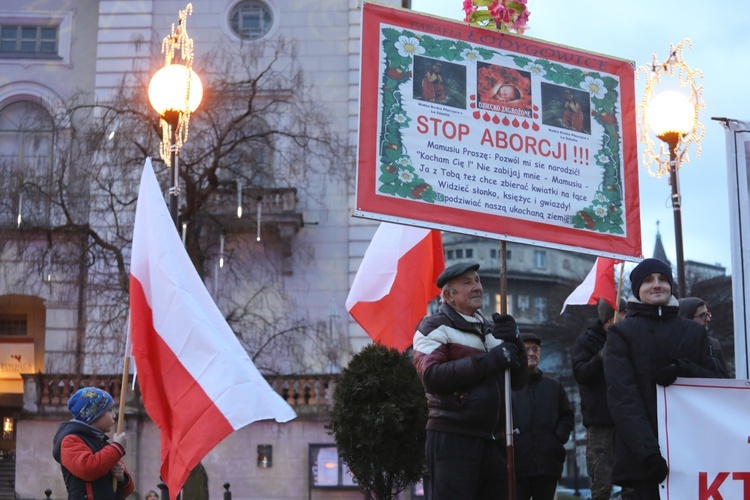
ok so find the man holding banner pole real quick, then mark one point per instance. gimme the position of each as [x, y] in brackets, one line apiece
[461, 358]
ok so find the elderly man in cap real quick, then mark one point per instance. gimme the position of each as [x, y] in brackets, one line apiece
[461, 359]
[543, 419]
[652, 345]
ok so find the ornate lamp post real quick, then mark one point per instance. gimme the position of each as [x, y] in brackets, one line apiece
[672, 117]
[175, 91]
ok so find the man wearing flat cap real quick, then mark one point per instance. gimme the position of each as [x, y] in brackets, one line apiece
[461, 358]
[652, 345]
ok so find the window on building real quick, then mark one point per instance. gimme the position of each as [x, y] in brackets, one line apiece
[251, 19]
[460, 253]
[540, 308]
[540, 259]
[469, 253]
[22, 41]
[523, 303]
[498, 304]
[449, 254]
[13, 325]
[327, 469]
[26, 138]
[493, 253]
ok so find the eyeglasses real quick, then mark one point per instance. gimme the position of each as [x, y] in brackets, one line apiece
[705, 316]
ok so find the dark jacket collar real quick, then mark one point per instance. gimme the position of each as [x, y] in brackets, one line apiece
[638, 308]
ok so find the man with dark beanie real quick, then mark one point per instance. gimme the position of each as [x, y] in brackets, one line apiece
[652, 345]
[588, 369]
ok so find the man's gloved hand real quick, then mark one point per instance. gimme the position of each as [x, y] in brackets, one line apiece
[657, 467]
[506, 356]
[120, 439]
[667, 374]
[505, 327]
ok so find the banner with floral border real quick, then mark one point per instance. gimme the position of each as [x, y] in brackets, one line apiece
[479, 132]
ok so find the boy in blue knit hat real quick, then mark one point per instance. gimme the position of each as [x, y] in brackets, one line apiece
[89, 462]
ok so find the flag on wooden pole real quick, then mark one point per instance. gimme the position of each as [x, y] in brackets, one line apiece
[598, 284]
[395, 282]
[197, 382]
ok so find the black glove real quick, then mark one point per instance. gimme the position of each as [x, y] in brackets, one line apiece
[505, 327]
[667, 374]
[506, 356]
[657, 467]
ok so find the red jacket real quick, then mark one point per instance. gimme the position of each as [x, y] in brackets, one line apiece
[86, 458]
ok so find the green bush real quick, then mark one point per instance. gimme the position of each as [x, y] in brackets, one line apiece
[378, 421]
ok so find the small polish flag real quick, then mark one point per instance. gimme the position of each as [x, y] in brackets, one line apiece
[197, 382]
[599, 284]
[395, 282]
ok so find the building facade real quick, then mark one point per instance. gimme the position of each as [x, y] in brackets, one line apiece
[57, 305]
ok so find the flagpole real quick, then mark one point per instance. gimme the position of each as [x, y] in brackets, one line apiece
[619, 289]
[511, 470]
[123, 392]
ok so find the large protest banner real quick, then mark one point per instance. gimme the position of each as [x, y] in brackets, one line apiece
[738, 173]
[474, 131]
[705, 437]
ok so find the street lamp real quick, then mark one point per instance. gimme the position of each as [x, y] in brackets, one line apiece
[672, 116]
[175, 91]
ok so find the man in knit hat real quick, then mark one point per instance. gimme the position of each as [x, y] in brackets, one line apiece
[89, 463]
[652, 345]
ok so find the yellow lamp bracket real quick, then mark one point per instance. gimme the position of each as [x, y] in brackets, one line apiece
[177, 41]
[677, 70]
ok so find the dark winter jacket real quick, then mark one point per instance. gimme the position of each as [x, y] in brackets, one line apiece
[86, 459]
[463, 382]
[650, 337]
[543, 419]
[588, 369]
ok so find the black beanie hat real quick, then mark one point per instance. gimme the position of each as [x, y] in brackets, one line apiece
[646, 267]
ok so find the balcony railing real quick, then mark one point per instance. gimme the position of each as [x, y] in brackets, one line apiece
[278, 210]
[311, 396]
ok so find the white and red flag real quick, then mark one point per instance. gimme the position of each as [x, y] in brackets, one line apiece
[599, 284]
[395, 282]
[197, 382]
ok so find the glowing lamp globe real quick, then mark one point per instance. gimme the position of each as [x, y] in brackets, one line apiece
[671, 112]
[168, 87]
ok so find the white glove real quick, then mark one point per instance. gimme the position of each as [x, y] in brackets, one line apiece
[121, 439]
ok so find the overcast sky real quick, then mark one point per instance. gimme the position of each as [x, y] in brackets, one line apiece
[720, 38]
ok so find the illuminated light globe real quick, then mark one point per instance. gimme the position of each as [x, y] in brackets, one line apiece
[671, 112]
[168, 88]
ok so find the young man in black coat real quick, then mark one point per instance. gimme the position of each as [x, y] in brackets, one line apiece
[588, 370]
[652, 345]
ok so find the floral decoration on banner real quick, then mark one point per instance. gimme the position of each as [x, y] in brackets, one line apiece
[398, 177]
[503, 15]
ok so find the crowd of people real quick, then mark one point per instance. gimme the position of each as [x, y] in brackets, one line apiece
[631, 347]
[463, 359]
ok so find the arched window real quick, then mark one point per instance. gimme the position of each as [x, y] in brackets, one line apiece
[26, 138]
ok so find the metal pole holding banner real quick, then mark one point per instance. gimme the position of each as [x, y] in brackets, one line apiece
[511, 469]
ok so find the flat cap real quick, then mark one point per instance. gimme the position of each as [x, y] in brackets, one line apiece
[455, 271]
[530, 337]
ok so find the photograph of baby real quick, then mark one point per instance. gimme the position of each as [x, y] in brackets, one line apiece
[504, 90]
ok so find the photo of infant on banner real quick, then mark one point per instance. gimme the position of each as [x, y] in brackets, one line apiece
[503, 90]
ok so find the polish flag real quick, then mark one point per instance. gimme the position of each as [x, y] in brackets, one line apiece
[395, 282]
[599, 284]
[197, 382]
